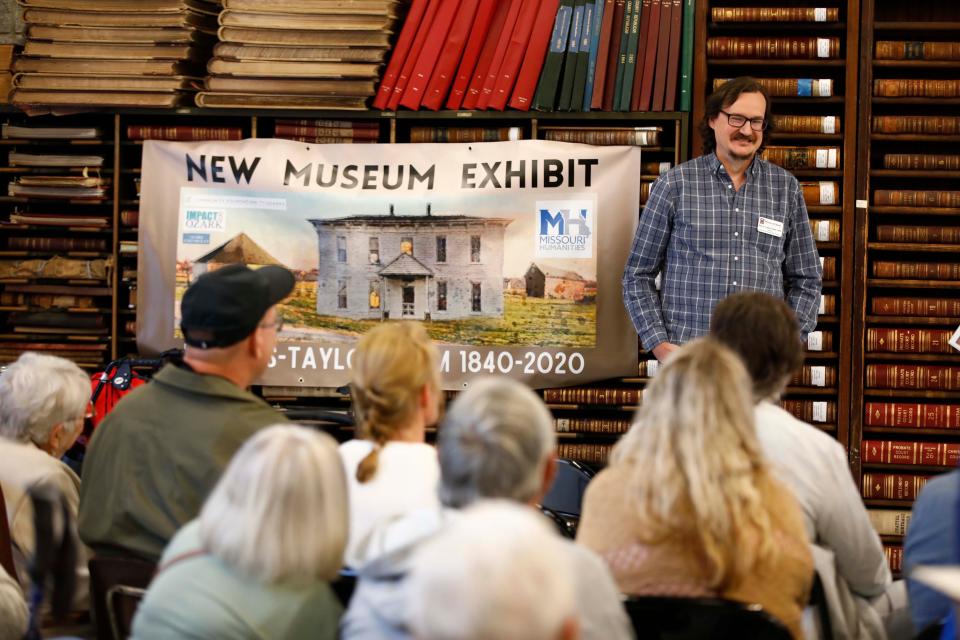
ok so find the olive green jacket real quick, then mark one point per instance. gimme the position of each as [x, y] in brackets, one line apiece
[154, 458]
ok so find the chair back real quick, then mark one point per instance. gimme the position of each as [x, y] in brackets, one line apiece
[344, 586]
[107, 572]
[6, 542]
[566, 494]
[122, 603]
[663, 618]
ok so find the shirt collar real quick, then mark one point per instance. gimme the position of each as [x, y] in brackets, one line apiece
[714, 164]
[188, 380]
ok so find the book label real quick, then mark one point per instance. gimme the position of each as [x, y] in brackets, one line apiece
[818, 376]
[819, 411]
[828, 193]
[823, 305]
[815, 341]
[824, 87]
[664, 167]
[652, 367]
[823, 47]
[804, 87]
[820, 14]
[823, 230]
[830, 124]
[770, 227]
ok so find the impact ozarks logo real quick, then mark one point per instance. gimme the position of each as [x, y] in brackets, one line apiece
[565, 229]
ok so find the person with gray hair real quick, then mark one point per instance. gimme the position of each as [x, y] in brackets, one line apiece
[257, 562]
[43, 402]
[496, 441]
[527, 589]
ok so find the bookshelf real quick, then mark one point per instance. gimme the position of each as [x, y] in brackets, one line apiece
[822, 51]
[895, 138]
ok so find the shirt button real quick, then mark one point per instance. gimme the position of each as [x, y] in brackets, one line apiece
[737, 210]
[734, 283]
[736, 233]
[729, 186]
[735, 258]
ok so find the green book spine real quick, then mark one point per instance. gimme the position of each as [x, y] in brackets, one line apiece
[570, 62]
[622, 54]
[630, 65]
[583, 56]
[686, 62]
[545, 98]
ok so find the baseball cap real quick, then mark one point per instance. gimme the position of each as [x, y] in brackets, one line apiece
[225, 306]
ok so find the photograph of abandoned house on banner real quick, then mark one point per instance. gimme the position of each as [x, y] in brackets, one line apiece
[491, 269]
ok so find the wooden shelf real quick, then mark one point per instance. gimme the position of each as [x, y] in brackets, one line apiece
[916, 26]
[835, 246]
[913, 247]
[913, 137]
[777, 136]
[912, 393]
[817, 173]
[942, 358]
[938, 102]
[912, 284]
[909, 432]
[789, 27]
[922, 320]
[919, 211]
[930, 174]
[917, 64]
[825, 209]
[820, 355]
[905, 468]
[776, 62]
[810, 391]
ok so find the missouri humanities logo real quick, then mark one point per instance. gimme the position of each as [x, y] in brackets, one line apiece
[565, 229]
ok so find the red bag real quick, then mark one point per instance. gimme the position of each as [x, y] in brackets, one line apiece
[109, 386]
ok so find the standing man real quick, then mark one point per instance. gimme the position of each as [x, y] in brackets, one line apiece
[724, 222]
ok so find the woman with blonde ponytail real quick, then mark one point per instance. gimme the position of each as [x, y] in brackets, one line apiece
[688, 506]
[396, 396]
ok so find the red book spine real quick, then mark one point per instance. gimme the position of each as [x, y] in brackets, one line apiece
[503, 43]
[650, 56]
[908, 340]
[478, 35]
[534, 56]
[414, 54]
[613, 57]
[450, 55]
[917, 416]
[516, 48]
[603, 51]
[673, 61]
[427, 60]
[183, 133]
[912, 453]
[892, 486]
[411, 25]
[486, 54]
[663, 49]
[641, 55]
[913, 376]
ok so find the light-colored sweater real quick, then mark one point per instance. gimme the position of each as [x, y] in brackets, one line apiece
[611, 525]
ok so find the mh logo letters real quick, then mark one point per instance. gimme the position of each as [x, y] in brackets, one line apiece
[565, 221]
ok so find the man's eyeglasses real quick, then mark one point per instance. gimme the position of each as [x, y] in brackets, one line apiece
[276, 324]
[737, 121]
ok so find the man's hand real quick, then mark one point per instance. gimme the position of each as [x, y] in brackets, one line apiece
[663, 350]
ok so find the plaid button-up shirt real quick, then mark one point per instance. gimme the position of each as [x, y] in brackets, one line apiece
[703, 234]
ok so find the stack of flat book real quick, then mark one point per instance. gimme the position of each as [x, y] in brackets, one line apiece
[298, 54]
[71, 177]
[113, 53]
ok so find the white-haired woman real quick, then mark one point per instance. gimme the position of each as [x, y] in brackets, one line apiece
[258, 560]
[43, 401]
[688, 506]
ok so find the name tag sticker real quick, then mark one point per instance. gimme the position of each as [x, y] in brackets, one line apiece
[770, 227]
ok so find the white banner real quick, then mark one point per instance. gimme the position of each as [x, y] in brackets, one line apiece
[510, 253]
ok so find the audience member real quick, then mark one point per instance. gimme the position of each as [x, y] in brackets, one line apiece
[396, 396]
[932, 538]
[258, 561]
[14, 615]
[496, 441]
[764, 332]
[496, 572]
[156, 456]
[43, 401]
[688, 506]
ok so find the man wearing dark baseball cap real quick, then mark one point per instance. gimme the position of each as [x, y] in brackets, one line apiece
[155, 457]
